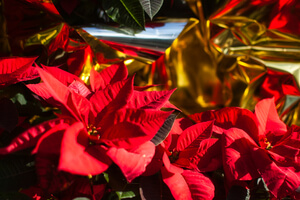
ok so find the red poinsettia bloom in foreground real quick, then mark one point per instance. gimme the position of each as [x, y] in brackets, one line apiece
[258, 145]
[103, 123]
[176, 156]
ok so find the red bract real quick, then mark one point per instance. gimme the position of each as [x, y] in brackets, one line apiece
[186, 184]
[197, 150]
[275, 159]
[16, 69]
[229, 117]
[113, 120]
[183, 183]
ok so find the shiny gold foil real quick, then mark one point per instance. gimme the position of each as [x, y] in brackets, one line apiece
[222, 61]
[206, 78]
[103, 55]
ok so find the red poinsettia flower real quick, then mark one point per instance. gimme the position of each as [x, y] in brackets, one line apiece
[252, 145]
[197, 149]
[177, 158]
[16, 69]
[109, 121]
[274, 157]
[186, 184]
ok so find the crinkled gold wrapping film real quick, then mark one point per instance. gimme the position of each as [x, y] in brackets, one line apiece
[222, 61]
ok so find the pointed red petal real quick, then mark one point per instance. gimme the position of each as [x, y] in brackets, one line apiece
[114, 96]
[41, 90]
[78, 157]
[30, 137]
[177, 184]
[109, 75]
[229, 117]
[133, 162]
[81, 107]
[79, 88]
[268, 119]
[127, 127]
[208, 158]
[287, 150]
[156, 163]
[59, 92]
[201, 186]
[149, 99]
[170, 167]
[64, 77]
[209, 155]
[192, 136]
[11, 64]
[96, 81]
[237, 151]
[15, 69]
[50, 141]
[281, 181]
[114, 73]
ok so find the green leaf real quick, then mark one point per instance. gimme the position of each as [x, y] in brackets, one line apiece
[125, 194]
[125, 12]
[151, 7]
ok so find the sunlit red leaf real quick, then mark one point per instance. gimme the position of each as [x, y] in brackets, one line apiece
[237, 148]
[177, 184]
[156, 163]
[64, 77]
[109, 75]
[78, 157]
[82, 107]
[41, 90]
[201, 187]
[287, 150]
[132, 162]
[16, 69]
[50, 141]
[59, 92]
[191, 137]
[281, 181]
[11, 64]
[229, 117]
[208, 158]
[114, 96]
[268, 119]
[169, 166]
[130, 127]
[149, 99]
[30, 137]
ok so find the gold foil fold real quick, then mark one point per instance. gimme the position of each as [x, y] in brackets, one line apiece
[222, 61]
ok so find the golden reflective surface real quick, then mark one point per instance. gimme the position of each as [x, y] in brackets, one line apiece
[222, 61]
